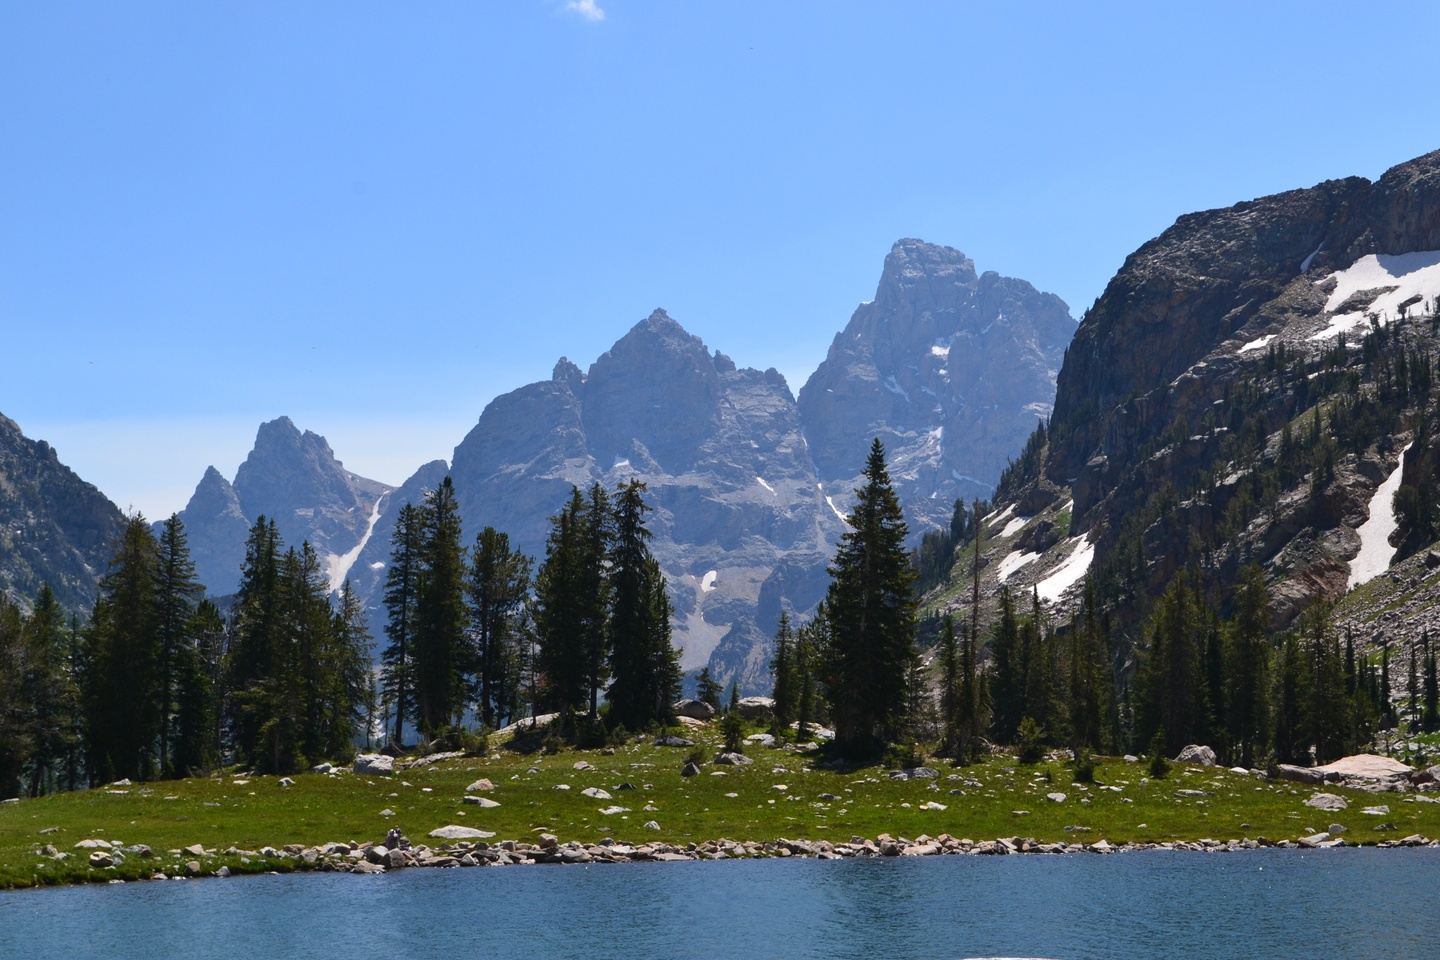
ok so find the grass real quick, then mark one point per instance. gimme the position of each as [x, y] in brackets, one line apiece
[224, 813]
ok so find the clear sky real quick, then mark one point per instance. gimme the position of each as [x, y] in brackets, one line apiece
[376, 216]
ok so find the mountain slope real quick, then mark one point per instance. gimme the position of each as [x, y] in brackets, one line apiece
[294, 479]
[949, 368]
[54, 527]
[1239, 394]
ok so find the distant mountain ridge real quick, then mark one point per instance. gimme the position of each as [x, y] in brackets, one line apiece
[54, 527]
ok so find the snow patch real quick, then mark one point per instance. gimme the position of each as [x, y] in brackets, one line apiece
[1375, 550]
[338, 565]
[831, 500]
[1258, 344]
[707, 582]
[1070, 571]
[1014, 526]
[1013, 561]
[895, 388]
[999, 515]
[1410, 274]
[378, 565]
[1305, 264]
[940, 350]
[761, 481]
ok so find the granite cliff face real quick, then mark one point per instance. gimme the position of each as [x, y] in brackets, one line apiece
[949, 368]
[54, 527]
[734, 491]
[294, 479]
[1185, 431]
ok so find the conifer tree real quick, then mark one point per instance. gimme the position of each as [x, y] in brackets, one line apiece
[1008, 678]
[253, 656]
[1430, 717]
[499, 582]
[594, 600]
[951, 689]
[1289, 735]
[558, 609]
[199, 693]
[48, 696]
[640, 648]
[782, 667]
[349, 684]
[1247, 667]
[440, 616]
[15, 742]
[176, 594]
[708, 689]
[871, 612]
[402, 591]
[121, 703]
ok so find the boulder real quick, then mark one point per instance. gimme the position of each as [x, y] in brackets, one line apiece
[484, 803]
[695, 709]
[480, 786]
[596, 793]
[375, 764]
[733, 760]
[1327, 801]
[691, 769]
[756, 709]
[1288, 771]
[669, 740]
[454, 832]
[1365, 766]
[1195, 753]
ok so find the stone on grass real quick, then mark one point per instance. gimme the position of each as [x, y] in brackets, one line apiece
[1327, 801]
[484, 803]
[455, 832]
[480, 786]
[596, 793]
[694, 709]
[756, 708]
[375, 764]
[669, 740]
[1196, 753]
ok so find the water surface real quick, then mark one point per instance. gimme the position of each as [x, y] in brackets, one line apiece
[1272, 904]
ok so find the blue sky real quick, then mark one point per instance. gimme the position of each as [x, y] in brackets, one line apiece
[375, 217]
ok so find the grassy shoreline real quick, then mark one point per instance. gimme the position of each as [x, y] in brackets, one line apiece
[995, 799]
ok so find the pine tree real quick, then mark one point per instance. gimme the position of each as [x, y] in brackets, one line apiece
[1430, 718]
[1007, 678]
[871, 611]
[1247, 667]
[594, 599]
[559, 613]
[176, 594]
[708, 689]
[782, 667]
[951, 689]
[15, 737]
[402, 590]
[48, 696]
[1387, 703]
[254, 651]
[198, 693]
[1413, 689]
[440, 615]
[638, 662]
[1290, 746]
[122, 714]
[499, 582]
[349, 684]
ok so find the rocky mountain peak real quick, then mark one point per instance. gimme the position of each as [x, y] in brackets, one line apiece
[567, 373]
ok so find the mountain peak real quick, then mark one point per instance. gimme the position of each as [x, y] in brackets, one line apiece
[911, 260]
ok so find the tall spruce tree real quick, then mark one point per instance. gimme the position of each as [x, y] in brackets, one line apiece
[254, 650]
[402, 592]
[121, 699]
[782, 668]
[1248, 667]
[871, 611]
[1430, 715]
[594, 601]
[440, 614]
[1007, 680]
[177, 592]
[15, 737]
[498, 585]
[636, 663]
[559, 610]
[49, 697]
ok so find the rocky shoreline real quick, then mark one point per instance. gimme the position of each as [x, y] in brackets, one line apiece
[396, 852]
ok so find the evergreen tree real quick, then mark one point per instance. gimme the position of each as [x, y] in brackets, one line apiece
[349, 684]
[15, 737]
[560, 617]
[48, 697]
[639, 628]
[121, 695]
[498, 585]
[1430, 717]
[1247, 668]
[176, 594]
[594, 600]
[253, 655]
[1090, 677]
[1008, 677]
[402, 591]
[1387, 703]
[198, 694]
[1289, 735]
[782, 667]
[952, 720]
[438, 656]
[1413, 689]
[708, 689]
[871, 612]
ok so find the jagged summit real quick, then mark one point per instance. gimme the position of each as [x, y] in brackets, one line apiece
[950, 368]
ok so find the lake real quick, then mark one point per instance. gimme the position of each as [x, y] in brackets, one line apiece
[1267, 903]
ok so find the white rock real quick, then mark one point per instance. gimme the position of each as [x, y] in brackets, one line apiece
[375, 764]
[454, 832]
[1196, 753]
[484, 803]
[1327, 801]
[595, 793]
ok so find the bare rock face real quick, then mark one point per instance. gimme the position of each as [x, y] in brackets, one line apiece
[949, 368]
[54, 527]
[721, 451]
[294, 479]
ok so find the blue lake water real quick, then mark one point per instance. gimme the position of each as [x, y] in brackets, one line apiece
[1271, 904]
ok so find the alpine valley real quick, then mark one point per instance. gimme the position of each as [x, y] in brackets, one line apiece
[1253, 386]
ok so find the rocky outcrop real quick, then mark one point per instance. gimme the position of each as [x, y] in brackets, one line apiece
[54, 527]
[294, 479]
[949, 368]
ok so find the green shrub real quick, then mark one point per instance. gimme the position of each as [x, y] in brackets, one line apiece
[1083, 766]
[733, 729]
[1029, 741]
[1159, 766]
